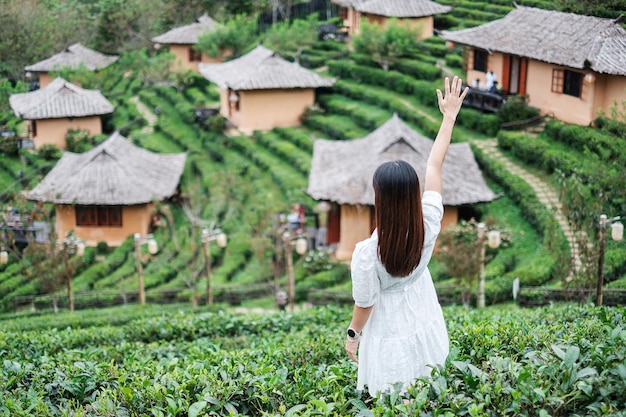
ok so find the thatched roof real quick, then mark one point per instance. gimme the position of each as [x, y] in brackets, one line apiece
[341, 171]
[188, 34]
[559, 38]
[395, 8]
[59, 99]
[262, 69]
[116, 172]
[74, 57]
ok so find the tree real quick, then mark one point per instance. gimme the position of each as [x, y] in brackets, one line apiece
[582, 210]
[459, 249]
[32, 30]
[235, 36]
[600, 8]
[385, 44]
[291, 38]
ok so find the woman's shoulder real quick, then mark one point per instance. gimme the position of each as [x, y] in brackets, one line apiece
[365, 250]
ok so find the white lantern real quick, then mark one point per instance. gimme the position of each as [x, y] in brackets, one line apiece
[80, 248]
[617, 231]
[301, 245]
[323, 206]
[153, 247]
[481, 227]
[590, 78]
[4, 257]
[493, 239]
[222, 240]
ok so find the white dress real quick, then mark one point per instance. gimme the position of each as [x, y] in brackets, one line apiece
[406, 331]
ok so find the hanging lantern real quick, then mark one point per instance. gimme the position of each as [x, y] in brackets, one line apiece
[493, 239]
[4, 257]
[301, 245]
[590, 78]
[222, 240]
[617, 231]
[153, 247]
[80, 248]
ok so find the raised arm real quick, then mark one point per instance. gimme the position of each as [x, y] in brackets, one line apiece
[449, 104]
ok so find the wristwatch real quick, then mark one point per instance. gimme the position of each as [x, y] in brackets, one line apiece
[353, 335]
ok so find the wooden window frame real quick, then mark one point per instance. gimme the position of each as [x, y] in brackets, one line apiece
[194, 56]
[567, 82]
[573, 83]
[98, 216]
[481, 60]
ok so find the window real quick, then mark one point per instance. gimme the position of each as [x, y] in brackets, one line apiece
[110, 216]
[34, 128]
[194, 56]
[567, 82]
[480, 60]
[343, 13]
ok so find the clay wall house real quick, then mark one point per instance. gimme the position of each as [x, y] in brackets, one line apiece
[107, 194]
[261, 90]
[74, 57]
[181, 41]
[341, 173]
[416, 13]
[60, 106]
[569, 65]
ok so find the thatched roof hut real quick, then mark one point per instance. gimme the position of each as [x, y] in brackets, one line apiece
[59, 99]
[74, 57]
[401, 8]
[566, 39]
[395, 8]
[116, 172]
[262, 69]
[341, 171]
[188, 34]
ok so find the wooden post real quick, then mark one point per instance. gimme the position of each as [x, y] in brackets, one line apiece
[142, 294]
[207, 260]
[289, 262]
[600, 281]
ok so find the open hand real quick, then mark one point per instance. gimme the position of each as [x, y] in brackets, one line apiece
[450, 102]
[351, 348]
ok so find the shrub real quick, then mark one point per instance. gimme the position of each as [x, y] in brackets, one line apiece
[49, 152]
[78, 140]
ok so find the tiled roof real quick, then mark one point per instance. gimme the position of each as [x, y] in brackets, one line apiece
[59, 99]
[341, 171]
[559, 38]
[116, 172]
[74, 57]
[262, 69]
[188, 34]
[401, 8]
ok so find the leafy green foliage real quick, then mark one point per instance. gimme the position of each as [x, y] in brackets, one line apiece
[291, 38]
[172, 361]
[234, 37]
[385, 44]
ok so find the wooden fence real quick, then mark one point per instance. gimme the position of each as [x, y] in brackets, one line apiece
[97, 299]
[541, 296]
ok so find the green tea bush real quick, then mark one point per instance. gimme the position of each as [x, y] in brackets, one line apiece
[560, 360]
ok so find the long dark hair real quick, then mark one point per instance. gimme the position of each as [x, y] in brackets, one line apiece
[399, 217]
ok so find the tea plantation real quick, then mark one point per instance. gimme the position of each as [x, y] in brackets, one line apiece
[561, 360]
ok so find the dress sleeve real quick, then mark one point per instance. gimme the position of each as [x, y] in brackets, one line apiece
[432, 211]
[365, 282]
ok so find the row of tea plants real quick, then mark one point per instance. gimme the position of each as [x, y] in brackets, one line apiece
[561, 360]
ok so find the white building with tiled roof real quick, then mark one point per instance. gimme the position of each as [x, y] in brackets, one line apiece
[341, 173]
[59, 107]
[417, 13]
[567, 64]
[75, 56]
[181, 41]
[261, 90]
[107, 194]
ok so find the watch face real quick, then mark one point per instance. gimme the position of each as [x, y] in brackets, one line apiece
[351, 333]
